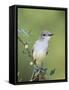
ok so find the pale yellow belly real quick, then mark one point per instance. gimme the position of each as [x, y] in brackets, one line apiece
[39, 57]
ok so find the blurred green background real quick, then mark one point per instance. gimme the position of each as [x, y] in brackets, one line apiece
[31, 22]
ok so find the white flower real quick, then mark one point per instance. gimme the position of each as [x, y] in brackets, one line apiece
[26, 46]
[31, 63]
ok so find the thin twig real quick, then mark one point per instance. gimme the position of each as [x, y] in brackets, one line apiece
[21, 41]
[29, 53]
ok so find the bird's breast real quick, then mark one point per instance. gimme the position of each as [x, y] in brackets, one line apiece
[41, 46]
[40, 49]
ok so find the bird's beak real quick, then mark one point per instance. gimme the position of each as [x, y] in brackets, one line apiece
[51, 34]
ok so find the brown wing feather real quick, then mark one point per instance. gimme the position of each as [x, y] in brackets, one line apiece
[47, 53]
[34, 61]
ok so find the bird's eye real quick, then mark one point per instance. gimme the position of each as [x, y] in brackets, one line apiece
[43, 34]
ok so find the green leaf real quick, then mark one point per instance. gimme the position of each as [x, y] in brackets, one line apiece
[52, 72]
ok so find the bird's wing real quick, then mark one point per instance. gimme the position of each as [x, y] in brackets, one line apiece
[47, 53]
[34, 61]
[34, 46]
[32, 51]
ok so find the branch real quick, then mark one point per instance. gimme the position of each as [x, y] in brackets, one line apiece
[25, 44]
[21, 41]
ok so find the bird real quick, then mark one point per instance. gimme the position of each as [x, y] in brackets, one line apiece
[40, 48]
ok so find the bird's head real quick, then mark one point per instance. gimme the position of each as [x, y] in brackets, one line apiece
[46, 35]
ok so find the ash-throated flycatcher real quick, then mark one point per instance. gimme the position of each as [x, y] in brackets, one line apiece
[40, 48]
